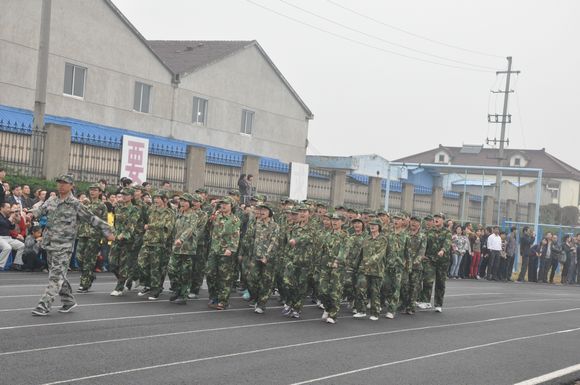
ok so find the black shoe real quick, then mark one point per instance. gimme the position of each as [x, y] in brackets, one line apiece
[82, 290]
[173, 297]
[144, 291]
[40, 310]
[180, 301]
[129, 284]
[67, 307]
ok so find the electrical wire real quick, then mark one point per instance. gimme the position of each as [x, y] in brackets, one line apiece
[520, 120]
[355, 41]
[411, 33]
[381, 39]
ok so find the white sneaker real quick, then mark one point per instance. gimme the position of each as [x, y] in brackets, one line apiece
[374, 318]
[389, 315]
[259, 310]
[116, 293]
[368, 305]
[438, 309]
[325, 316]
[428, 305]
[319, 305]
[354, 311]
[359, 315]
[192, 296]
[421, 305]
[330, 321]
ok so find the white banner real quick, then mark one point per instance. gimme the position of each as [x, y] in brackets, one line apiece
[134, 158]
[298, 181]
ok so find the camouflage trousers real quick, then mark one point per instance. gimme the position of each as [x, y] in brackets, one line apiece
[260, 279]
[180, 273]
[220, 275]
[434, 272]
[330, 286]
[279, 283]
[410, 286]
[133, 272]
[58, 257]
[296, 279]
[198, 263]
[152, 262]
[349, 288]
[313, 282]
[119, 262]
[87, 253]
[391, 290]
[368, 289]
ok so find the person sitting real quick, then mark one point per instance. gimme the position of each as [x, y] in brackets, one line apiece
[33, 252]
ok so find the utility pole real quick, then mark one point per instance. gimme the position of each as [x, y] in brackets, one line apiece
[504, 118]
[41, 81]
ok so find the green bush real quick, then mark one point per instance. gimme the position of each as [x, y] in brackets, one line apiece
[38, 183]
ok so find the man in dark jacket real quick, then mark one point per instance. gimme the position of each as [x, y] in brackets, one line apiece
[526, 241]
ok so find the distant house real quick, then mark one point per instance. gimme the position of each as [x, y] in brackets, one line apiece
[102, 71]
[561, 182]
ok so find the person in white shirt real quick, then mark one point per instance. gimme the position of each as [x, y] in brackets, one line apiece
[494, 247]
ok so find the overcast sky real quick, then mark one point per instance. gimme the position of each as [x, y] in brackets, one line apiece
[368, 100]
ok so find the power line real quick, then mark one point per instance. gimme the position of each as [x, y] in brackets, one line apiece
[380, 38]
[361, 42]
[411, 33]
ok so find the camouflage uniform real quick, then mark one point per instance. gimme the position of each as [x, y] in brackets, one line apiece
[281, 260]
[225, 235]
[332, 267]
[260, 241]
[298, 264]
[133, 255]
[89, 244]
[370, 274]
[413, 271]
[63, 217]
[352, 264]
[153, 256]
[397, 253]
[126, 222]
[319, 235]
[435, 267]
[180, 263]
[199, 258]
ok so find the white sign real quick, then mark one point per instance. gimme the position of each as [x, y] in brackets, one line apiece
[298, 181]
[134, 158]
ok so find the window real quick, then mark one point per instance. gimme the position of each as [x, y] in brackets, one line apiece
[554, 190]
[142, 97]
[517, 162]
[441, 158]
[247, 122]
[199, 110]
[74, 80]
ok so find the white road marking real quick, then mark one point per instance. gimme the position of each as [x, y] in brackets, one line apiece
[346, 338]
[471, 295]
[434, 355]
[550, 376]
[509, 302]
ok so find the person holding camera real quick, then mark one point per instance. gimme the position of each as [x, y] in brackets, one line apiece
[8, 220]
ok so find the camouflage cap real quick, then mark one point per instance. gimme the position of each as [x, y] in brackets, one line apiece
[294, 210]
[415, 218]
[439, 215]
[66, 178]
[383, 212]
[227, 199]
[357, 220]
[260, 197]
[187, 197]
[196, 198]
[95, 186]
[376, 222]
[286, 200]
[339, 207]
[336, 217]
[127, 191]
[302, 207]
[405, 214]
[265, 206]
[368, 211]
[398, 216]
[159, 193]
[428, 217]
[351, 210]
[235, 193]
[321, 204]
[201, 190]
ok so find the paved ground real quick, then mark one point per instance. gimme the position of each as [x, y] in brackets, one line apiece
[489, 333]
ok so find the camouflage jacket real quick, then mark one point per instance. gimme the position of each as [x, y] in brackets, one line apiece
[334, 249]
[373, 256]
[160, 226]
[225, 234]
[397, 250]
[126, 221]
[301, 253]
[417, 243]
[63, 218]
[354, 250]
[143, 213]
[261, 240]
[202, 233]
[438, 239]
[186, 231]
[99, 209]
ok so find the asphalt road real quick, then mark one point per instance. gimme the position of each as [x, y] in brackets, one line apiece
[489, 333]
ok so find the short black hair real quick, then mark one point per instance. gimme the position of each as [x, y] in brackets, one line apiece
[526, 228]
[34, 229]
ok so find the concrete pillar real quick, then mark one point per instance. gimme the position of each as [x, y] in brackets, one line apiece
[195, 168]
[337, 187]
[374, 197]
[437, 200]
[510, 208]
[488, 209]
[55, 158]
[531, 212]
[463, 213]
[407, 197]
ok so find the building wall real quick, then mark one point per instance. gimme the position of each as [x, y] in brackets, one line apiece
[89, 33]
[569, 192]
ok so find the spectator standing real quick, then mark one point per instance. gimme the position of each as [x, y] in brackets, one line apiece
[556, 257]
[474, 270]
[460, 246]
[569, 268]
[494, 247]
[511, 247]
[526, 242]
[2, 192]
[7, 243]
[534, 254]
[545, 258]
